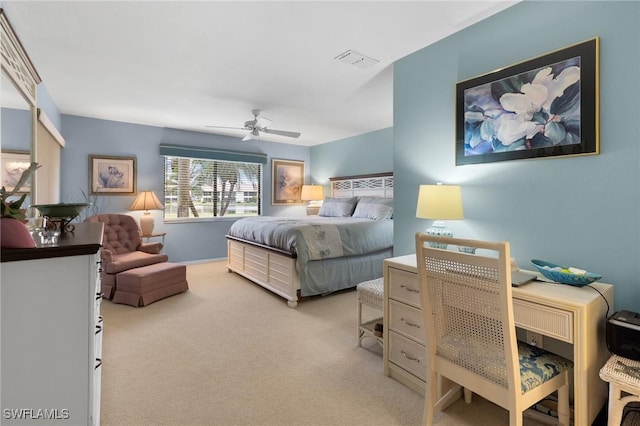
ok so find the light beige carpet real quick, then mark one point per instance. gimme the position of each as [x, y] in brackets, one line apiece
[228, 352]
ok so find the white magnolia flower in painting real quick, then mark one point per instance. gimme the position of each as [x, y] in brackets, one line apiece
[533, 97]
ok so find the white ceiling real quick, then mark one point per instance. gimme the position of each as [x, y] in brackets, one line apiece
[186, 65]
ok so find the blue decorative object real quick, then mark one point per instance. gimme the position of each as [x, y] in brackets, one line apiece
[562, 277]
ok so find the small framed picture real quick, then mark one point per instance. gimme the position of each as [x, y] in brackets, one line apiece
[13, 164]
[288, 178]
[112, 175]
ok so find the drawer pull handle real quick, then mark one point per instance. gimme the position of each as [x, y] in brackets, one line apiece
[410, 324]
[413, 290]
[409, 357]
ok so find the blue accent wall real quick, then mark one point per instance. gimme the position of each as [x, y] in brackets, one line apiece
[368, 153]
[575, 211]
[189, 241]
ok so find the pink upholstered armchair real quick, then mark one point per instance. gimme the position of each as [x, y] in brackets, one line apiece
[123, 249]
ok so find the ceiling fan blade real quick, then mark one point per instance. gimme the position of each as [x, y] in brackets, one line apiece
[224, 127]
[281, 133]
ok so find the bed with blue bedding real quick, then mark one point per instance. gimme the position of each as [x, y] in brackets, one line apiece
[313, 255]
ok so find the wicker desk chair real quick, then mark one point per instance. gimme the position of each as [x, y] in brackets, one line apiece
[471, 336]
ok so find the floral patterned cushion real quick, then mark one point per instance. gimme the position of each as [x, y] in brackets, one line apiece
[537, 366]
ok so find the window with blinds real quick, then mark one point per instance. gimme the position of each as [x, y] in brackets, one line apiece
[201, 188]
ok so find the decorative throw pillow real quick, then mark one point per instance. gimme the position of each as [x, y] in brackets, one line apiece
[337, 207]
[374, 208]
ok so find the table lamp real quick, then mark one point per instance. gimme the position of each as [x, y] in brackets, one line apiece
[313, 194]
[146, 200]
[439, 202]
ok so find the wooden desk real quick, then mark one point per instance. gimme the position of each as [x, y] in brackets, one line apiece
[573, 317]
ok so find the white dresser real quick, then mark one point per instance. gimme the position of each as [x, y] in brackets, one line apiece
[51, 349]
[573, 317]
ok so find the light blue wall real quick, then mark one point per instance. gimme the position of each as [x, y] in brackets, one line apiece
[368, 153]
[184, 241]
[46, 104]
[580, 211]
[16, 129]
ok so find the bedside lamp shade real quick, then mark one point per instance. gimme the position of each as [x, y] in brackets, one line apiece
[313, 194]
[146, 200]
[439, 202]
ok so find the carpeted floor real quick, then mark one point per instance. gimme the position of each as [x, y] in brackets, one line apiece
[228, 352]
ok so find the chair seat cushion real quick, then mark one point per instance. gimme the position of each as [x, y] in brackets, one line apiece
[537, 366]
[134, 259]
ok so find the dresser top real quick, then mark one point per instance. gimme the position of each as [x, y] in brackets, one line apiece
[86, 238]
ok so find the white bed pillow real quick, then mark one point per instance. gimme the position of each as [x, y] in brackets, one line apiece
[374, 208]
[337, 207]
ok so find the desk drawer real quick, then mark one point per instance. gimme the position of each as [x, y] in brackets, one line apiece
[408, 354]
[406, 320]
[404, 286]
[552, 322]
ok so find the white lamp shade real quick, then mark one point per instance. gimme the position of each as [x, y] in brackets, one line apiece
[312, 193]
[146, 200]
[440, 202]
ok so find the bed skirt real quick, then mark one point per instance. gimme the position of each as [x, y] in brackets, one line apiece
[281, 274]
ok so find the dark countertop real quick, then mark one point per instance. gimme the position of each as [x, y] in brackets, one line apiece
[86, 238]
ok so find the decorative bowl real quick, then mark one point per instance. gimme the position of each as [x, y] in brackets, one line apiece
[547, 269]
[61, 210]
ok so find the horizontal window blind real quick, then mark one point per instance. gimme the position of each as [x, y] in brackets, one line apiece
[206, 188]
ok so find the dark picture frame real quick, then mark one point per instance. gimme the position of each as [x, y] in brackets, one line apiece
[112, 175]
[547, 106]
[287, 181]
[14, 163]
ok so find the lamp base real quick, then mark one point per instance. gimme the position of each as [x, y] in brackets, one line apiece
[146, 224]
[438, 229]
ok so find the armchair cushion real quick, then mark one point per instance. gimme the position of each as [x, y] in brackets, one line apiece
[134, 259]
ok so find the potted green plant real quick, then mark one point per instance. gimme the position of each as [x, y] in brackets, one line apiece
[13, 232]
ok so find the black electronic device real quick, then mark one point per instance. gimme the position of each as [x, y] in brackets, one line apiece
[623, 334]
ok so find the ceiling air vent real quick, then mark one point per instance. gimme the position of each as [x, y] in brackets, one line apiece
[356, 59]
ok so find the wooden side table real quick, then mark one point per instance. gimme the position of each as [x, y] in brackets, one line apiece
[623, 376]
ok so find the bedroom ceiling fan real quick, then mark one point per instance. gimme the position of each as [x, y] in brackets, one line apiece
[259, 125]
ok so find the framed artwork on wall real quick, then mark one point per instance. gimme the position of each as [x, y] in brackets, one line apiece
[13, 164]
[112, 175]
[288, 178]
[543, 107]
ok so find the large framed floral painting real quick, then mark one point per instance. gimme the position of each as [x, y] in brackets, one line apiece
[543, 107]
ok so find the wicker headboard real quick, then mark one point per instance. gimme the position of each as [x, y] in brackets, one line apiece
[378, 185]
